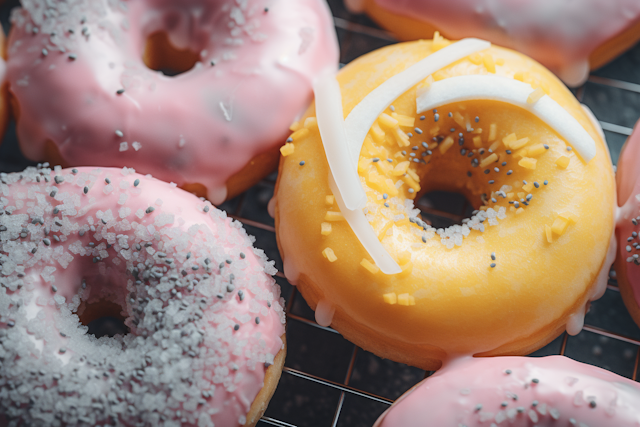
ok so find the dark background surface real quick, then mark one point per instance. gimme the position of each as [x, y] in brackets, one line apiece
[328, 381]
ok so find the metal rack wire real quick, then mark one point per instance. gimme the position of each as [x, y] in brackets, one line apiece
[328, 381]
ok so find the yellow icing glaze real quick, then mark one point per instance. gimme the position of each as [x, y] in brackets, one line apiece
[452, 301]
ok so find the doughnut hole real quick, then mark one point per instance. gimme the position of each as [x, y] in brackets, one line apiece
[103, 318]
[160, 55]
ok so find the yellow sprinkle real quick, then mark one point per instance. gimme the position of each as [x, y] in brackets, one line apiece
[287, 149]
[521, 195]
[334, 216]
[559, 225]
[516, 145]
[477, 141]
[401, 137]
[400, 223]
[477, 131]
[377, 133]
[562, 162]
[404, 257]
[500, 61]
[528, 163]
[521, 153]
[383, 232]
[446, 144]
[300, 133]
[387, 121]
[519, 211]
[494, 146]
[507, 140]
[548, 233]
[535, 96]
[407, 179]
[493, 132]
[536, 150]
[311, 123]
[413, 175]
[390, 298]
[475, 58]
[328, 254]
[294, 126]
[439, 42]
[510, 196]
[528, 187]
[369, 266]
[329, 200]
[406, 299]
[511, 209]
[325, 228]
[488, 160]
[521, 76]
[434, 130]
[401, 168]
[391, 188]
[363, 165]
[489, 63]
[573, 218]
[457, 117]
[403, 120]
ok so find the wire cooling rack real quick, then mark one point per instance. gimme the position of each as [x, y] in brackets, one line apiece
[328, 381]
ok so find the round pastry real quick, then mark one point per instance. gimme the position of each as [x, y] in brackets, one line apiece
[570, 38]
[627, 262]
[214, 129]
[482, 121]
[523, 391]
[206, 324]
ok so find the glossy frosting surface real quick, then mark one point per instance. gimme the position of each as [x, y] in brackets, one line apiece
[519, 392]
[201, 126]
[628, 180]
[205, 318]
[559, 34]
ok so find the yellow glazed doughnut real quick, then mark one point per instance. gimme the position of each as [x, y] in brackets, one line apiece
[547, 216]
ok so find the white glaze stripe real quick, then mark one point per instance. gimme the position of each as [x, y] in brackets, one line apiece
[363, 115]
[334, 138]
[514, 92]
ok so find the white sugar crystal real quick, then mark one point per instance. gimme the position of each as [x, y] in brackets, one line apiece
[122, 199]
[124, 146]
[136, 145]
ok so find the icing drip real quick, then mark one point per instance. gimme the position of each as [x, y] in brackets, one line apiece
[271, 207]
[497, 88]
[324, 313]
[290, 271]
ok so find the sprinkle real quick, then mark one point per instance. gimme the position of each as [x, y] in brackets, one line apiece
[302, 163]
[242, 255]
[493, 256]
[329, 254]
[257, 320]
[150, 209]
[212, 63]
[119, 91]
[592, 403]
[62, 350]
[546, 182]
[73, 56]
[509, 172]
[107, 180]
[477, 119]
[54, 288]
[504, 404]
[136, 182]
[85, 190]
[569, 148]
[535, 381]
[236, 327]
[493, 265]
[508, 372]
[46, 241]
[119, 133]
[478, 407]
[58, 179]
[45, 52]
[206, 208]
[546, 146]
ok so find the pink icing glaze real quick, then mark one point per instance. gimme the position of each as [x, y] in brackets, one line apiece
[559, 34]
[628, 180]
[518, 391]
[200, 126]
[209, 323]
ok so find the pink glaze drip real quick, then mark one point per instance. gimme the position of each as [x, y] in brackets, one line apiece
[201, 126]
[97, 227]
[628, 180]
[559, 34]
[519, 392]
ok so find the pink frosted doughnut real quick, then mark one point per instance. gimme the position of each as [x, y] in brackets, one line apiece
[218, 125]
[568, 37]
[628, 224]
[205, 318]
[518, 392]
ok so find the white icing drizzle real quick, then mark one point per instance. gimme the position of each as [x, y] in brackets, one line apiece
[334, 138]
[363, 115]
[217, 195]
[324, 313]
[271, 207]
[343, 138]
[290, 271]
[514, 92]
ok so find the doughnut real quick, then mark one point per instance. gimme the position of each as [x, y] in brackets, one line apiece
[466, 117]
[214, 130]
[628, 218]
[519, 392]
[569, 38]
[205, 343]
